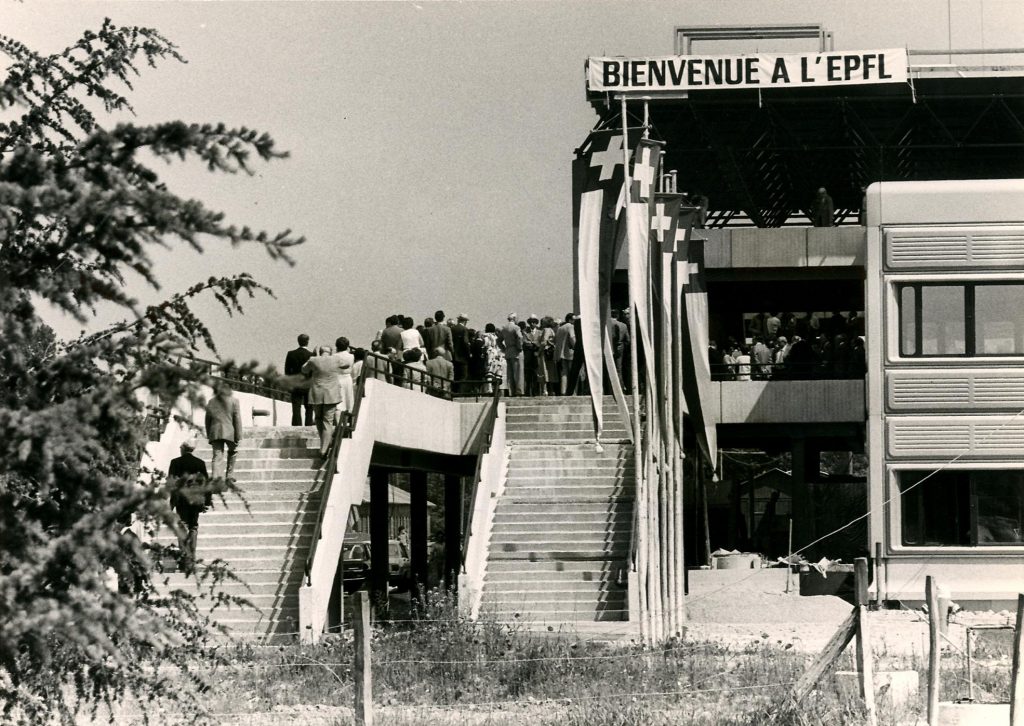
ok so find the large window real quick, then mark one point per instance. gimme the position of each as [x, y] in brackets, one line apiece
[963, 508]
[961, 319]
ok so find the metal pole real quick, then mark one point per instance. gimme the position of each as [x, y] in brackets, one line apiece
[934, 650]
[361, 667]
[789, 554]
[640, 495]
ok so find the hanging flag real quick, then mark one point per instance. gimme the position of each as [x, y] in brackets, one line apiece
[640, 204]
[664, 224]
[696, 369]
[597, 187]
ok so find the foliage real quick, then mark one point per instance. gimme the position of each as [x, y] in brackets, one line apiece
[81, 207]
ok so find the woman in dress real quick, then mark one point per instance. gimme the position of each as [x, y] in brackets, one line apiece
[347, 361]
[495, 358]
[547, 370]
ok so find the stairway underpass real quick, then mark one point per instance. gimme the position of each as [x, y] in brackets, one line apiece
[559, 542]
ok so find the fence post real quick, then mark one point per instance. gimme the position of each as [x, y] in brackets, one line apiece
[865, 661]
[934, 650]
[1017, 670]
[361, 666]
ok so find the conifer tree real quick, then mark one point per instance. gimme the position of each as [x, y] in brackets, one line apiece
[81, 207]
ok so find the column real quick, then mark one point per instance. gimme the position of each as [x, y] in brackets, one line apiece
[379, 540]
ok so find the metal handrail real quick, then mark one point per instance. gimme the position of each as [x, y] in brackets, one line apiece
[444, 385]
[345, 428]
[467, 521]
[781, 371]
[260, 385]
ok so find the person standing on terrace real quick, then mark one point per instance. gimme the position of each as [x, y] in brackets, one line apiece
[824, 211]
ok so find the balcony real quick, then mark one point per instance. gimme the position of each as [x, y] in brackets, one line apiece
[821, 401]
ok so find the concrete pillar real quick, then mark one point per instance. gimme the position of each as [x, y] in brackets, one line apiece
[452, 529]
[418, 530]
[379, 540]
[806, 463]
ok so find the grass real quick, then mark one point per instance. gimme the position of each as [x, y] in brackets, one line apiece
[445, 669]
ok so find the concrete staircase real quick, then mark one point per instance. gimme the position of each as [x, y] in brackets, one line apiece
[266, 547]
[560, 538]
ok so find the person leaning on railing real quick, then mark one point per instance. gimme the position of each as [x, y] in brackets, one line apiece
[442, 370]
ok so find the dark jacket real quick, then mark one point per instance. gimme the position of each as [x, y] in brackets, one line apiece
[191, 470]
[294, 361]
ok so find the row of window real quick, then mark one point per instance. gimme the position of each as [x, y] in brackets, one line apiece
[961, 319]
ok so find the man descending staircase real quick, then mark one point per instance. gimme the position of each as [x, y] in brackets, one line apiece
[277, 472]
[560, 538]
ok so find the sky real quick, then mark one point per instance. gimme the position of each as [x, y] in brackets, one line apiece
[430, 142]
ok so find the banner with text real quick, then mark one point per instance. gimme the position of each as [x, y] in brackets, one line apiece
[764, 70]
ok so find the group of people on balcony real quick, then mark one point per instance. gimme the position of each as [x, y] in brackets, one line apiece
[787, 346]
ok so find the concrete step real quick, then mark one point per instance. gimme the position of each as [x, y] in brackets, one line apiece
[619, 516]
[560, 433]
[296, 500]
[272, 513]
[521, 537]
[294, 486]
[568, 531]
[574, 467]
[246, 536]
[553, 567]
[258, 580]
[257, 529]
[499, 585]
[560, 550]
[306, 473]
[573, 452]
[271, 463]
[523, 486]
[247, 453]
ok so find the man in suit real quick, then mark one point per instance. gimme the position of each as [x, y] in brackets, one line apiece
[391, 343]
[823, 211]
[188, 480]
[324, 392]
[223, 428]
[565, 342]
[510, 337]
[620, 342]
[293, 363]
[443, 334]
[460, 349]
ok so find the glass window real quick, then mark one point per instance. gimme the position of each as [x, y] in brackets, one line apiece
[942, 320]
[973, 319]
[998, 328]
[908, 320]
[962, 508]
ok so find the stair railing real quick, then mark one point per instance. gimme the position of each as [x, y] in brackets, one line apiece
[488, 432]
[346, 426]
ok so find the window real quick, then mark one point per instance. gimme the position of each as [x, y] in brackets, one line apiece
[969, 319]
[962, 508]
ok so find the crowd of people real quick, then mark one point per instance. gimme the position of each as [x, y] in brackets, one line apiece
[790, 346]
[442, 356]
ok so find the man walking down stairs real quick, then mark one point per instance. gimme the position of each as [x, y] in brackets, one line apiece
[560, 540]
[266, 547]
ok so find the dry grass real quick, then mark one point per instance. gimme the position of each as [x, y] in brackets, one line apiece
[447, 670]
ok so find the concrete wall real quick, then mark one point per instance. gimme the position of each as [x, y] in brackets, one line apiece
[784, 247]
[736, 402]
[412, 420]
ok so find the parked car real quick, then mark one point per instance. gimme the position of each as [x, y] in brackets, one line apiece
[356, 563]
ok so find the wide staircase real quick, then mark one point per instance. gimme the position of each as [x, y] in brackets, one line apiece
[560, 538]
[267, 546]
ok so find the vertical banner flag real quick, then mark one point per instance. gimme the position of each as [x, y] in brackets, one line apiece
[597, 188]
[664, 225]
[696, 369]
[639, 205]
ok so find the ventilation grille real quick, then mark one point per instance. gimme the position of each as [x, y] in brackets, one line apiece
[961, 247]
[960, 437]
[939, 391]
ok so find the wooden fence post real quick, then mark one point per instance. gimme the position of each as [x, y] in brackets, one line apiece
[934, 650]
[1017, 670]
[865, 664]
[361, 667]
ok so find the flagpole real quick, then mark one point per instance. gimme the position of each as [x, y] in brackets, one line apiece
[668, 440]
[639, 496]
[678, 477]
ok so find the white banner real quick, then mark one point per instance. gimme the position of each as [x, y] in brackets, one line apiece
[764, 70]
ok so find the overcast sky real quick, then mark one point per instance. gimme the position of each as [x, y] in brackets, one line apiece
[430, 142]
